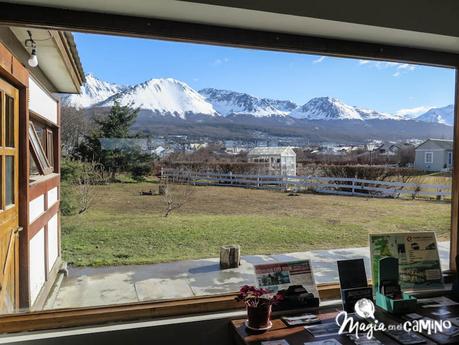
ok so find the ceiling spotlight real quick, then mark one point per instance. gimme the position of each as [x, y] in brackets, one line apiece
[30, 43]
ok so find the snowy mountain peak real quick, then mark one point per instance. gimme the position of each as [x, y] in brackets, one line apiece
[443, 115]
[92, 92]
[164, 96]
[330, 108]
[236, 103]
[326, 108]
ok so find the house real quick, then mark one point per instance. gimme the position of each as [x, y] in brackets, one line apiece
[388, 149]
[434, 155]
[276, 160]
[235, 150]
[35, 64]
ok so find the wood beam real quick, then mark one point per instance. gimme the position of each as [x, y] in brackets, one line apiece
[455, 184]
[74, 20]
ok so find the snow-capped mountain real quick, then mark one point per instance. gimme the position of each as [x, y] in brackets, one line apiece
[329, 108]
[370, 114]
[175, 98]
[444, 115]
[92, 92]
[164, 97]
[235, 103]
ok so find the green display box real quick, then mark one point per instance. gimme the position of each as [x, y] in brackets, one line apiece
[405, 305]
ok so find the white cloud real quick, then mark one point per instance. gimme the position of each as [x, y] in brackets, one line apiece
[400, 67]
[411, 113]
[406, 66]
[319, 60]
[218, 62]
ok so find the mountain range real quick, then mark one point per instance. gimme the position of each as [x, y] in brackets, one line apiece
[171, 106]
[171, 97]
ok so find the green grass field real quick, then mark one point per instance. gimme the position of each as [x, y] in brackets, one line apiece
[123, 227]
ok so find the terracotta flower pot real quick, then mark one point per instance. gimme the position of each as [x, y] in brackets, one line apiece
[259, 316]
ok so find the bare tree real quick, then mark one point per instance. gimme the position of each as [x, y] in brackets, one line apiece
[85, 185]
[176, 195]
[74, 126]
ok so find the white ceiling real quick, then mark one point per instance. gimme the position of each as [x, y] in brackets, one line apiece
[261, 20]
[50, 60]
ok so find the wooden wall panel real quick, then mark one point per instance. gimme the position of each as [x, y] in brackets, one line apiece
[19, 72]
[41, 187]
[5, 59]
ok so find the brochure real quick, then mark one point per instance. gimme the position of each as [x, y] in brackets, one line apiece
[417, 252]
[278, 276]
[323, 330]
[405, 338]
[436, 302]
[324, 342]
[275, 342]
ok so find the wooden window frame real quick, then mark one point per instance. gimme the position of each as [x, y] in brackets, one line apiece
[74, 20]
[49, 146]
[38, 152]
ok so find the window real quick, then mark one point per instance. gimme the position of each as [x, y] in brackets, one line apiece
[128, 227]
[428, 158]
[450, 158]
[215, 198]
[45, 135]
[38, 153]
[49, 146]
[9, 122]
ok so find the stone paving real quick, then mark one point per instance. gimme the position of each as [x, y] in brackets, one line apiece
[127, 284]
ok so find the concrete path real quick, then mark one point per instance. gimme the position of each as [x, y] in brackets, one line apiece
[127, 284]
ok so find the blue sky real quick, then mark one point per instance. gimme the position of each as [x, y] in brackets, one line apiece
[382, 86]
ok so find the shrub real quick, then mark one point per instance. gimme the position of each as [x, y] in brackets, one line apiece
[139, 171]
[71, 170]
[366, 172]
[68, 203]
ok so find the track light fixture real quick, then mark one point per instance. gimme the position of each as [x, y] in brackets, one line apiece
[30, 43]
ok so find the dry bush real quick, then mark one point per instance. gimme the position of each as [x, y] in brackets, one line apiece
[90, 175]
[367, 172]
[176, 195]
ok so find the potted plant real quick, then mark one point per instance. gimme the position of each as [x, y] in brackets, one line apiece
[258, 302]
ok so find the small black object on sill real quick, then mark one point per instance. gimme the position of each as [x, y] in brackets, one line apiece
[296, 297]
[353, 283]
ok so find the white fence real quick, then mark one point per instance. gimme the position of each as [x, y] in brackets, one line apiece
[329, 185]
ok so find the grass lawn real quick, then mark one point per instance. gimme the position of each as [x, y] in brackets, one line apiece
[123, 227]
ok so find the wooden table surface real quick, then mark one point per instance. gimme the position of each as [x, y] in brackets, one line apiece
[299, 336]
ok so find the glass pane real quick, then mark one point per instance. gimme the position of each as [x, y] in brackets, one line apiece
[9, 180]
[49, 147]
[33, 167]
[9, 124]
[41, 133]
[1, 113]
[1, 181]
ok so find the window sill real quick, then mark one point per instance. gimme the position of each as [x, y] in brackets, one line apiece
[37, 179]
[64, 318]
[89, 316]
